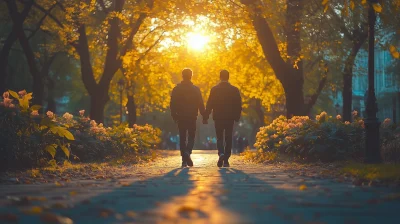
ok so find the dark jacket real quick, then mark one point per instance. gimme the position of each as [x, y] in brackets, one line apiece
[186, 101]
[225, 102]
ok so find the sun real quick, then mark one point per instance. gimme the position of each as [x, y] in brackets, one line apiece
[197, 41]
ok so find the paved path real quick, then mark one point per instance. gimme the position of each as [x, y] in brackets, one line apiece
[163, 193]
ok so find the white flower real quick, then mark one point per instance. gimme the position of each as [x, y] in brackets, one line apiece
[81, 112]
[346, 122]
[35, 113]
[338, 117]
[68, 116]
[354, 113]
[50, 114]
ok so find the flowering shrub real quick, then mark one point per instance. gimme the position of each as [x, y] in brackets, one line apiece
[326, 138]
[31, 139]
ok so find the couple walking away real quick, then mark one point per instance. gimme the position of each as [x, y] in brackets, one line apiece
[225, 103]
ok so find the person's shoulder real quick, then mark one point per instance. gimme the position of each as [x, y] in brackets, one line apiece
[196, 88]
[234, 87]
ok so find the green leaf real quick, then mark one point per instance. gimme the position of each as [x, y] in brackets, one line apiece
[51, 149]
[52, 163]
[67, 134]
[65, 150]
[36, 107]
[62, 132]
[14, 94]
[24, 104]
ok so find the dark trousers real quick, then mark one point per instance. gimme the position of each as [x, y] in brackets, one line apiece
[223, 130]
[187, 128]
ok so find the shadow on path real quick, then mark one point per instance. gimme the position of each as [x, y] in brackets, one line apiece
[273, 201]
[133, 202]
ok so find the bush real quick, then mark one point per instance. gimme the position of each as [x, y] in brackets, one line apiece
[324, 139]
[29, 139]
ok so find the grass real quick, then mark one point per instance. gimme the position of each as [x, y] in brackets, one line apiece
[373, 171]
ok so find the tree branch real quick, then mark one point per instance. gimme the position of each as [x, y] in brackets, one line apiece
[41, 21]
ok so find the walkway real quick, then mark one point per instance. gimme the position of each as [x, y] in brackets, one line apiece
[163, 193]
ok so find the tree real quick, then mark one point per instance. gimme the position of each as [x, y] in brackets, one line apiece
[289, 72]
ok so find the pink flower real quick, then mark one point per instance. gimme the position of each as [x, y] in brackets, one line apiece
[22, 93]
[338, 117]
[8, 102]
[354, 113]
[6, 95]
[386, 122]
[35, 113]
[346, 123]
[50, 114]
[81, 112]
[11, 106]
[68, 116]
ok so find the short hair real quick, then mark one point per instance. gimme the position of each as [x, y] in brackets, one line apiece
[187, 74]
[224, 75]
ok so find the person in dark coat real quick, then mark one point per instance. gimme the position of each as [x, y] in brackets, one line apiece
[186, 101]
[225, 103]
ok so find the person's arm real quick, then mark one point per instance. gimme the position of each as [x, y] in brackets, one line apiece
[201, 105]
[210, 104]
[238, 100]
[173, 105]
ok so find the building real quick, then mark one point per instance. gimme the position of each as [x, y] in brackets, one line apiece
[386, 86]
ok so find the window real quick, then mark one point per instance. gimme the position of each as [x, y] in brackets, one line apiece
[389, 82]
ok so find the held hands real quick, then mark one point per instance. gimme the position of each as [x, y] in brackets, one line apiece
[205, 120]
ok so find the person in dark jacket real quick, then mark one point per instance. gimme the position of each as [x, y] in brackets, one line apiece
[225, 103]
[186, 101]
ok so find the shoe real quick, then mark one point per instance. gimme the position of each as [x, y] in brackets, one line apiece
[220, 160]
[189, 161]
[184, 164]
[226, 163]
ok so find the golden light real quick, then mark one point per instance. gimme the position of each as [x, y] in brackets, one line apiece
[197, 41]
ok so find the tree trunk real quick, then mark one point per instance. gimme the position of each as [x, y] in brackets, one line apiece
[294, 99]
[51, 103]
[17, 18]
[97, 105]
[5, 52]
[347, 92]
[131, 106]
[290, 72]
[8, 43]
[259, 111]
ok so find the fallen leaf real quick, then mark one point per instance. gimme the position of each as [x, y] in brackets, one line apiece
[34, 210]
[105, 212]
[59, 205]
[131, 214]
[186, 208]
[73, 193]
[53, 218]
[58, 184]
[302, 187]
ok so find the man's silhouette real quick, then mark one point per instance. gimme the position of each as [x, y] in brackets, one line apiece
[186, 101]
[226, 104]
